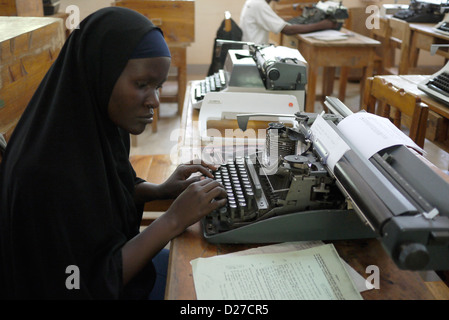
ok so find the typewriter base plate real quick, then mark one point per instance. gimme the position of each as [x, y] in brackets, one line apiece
[299, 226]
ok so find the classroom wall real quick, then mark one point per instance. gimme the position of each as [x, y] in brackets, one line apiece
[208, 17]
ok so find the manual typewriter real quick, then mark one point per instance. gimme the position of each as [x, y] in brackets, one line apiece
[289, 191]
[437, 85]
[261, 68]
[331, 10]
[212, 83]
[422, 11]
[442, 27]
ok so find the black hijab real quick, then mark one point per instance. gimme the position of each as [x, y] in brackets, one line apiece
[66, 185]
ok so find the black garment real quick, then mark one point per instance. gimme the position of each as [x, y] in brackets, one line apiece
[66, 185]
[220, 52]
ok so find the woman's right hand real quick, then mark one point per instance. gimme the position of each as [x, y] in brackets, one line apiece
[197, 200]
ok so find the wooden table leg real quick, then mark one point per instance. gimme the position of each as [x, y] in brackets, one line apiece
[182, 79]
[367, 72]
[178, 60]
[414, 52]
[311, 88]
[328, 84]
[328, 81]
[344, 73]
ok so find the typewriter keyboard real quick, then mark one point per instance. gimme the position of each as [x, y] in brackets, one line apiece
[215, 82]
[444, 27]
[234, 177]
[246, 197]
[440, 83]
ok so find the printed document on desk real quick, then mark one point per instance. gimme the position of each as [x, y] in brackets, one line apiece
[327, 35]
[357, 279]
[316, 273]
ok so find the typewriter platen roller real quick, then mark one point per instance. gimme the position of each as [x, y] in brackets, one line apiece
[287, 192]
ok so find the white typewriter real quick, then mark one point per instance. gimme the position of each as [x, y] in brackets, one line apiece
[442, 27]
[262, 69]
[437, 85]
[219, 107]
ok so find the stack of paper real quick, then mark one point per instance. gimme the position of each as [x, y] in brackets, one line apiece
[312, 271]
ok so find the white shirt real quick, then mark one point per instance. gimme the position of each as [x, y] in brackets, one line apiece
[257, 19]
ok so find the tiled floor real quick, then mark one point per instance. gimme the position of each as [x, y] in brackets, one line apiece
[165, 139]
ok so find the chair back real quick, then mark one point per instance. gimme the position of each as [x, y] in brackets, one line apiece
[400, 37]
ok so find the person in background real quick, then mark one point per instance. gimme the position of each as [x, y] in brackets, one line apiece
[257, 19]
[70, 201]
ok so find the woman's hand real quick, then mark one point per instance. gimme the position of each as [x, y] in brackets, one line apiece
[182, 177]
[198, 199]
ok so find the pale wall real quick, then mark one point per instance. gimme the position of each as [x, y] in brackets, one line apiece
[208, 17]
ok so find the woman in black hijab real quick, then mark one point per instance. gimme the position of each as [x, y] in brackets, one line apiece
[70, 203]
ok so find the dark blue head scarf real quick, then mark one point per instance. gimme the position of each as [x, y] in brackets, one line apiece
[152, 45]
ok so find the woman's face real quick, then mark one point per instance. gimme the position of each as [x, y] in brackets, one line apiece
[136, 93]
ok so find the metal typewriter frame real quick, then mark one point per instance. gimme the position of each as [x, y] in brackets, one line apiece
[393, 196]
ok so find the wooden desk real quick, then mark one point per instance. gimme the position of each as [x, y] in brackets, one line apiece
[355, 52]
[438, 122]
[28, 47]
[395, 284]
[29, 8]
[422, 37]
